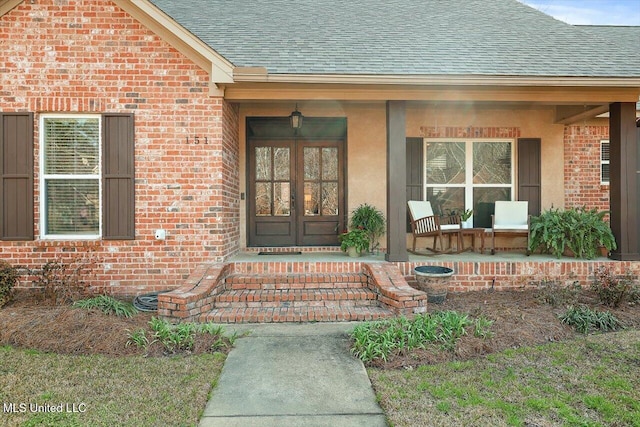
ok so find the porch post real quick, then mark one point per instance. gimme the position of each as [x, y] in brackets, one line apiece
[625, 176]
[396, 182]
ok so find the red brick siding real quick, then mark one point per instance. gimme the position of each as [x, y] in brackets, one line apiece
[89, 56]
[582, 167]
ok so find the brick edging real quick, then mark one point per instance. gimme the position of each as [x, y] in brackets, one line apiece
[195, 296]
[393, 291]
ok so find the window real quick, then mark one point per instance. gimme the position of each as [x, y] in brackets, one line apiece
[468, 174]
[604, 162]
[70, 176]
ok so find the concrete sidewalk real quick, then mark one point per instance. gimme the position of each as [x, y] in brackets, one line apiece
[293, 375]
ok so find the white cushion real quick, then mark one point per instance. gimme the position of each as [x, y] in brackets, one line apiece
[445, 227]
[420, 209]
[511, 227]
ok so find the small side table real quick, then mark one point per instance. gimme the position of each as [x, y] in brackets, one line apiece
[474, 233]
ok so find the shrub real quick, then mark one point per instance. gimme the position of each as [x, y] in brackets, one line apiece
[8, 278]
[583, 319]
[614, 289]
[63, 282]
[107, 305]
[553, 293]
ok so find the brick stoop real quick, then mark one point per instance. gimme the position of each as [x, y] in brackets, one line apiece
[216, 293]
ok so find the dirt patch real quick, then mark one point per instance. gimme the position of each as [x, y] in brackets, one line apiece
[29, 323]
[520, 319]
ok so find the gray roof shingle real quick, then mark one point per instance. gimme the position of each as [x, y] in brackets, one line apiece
[402, 37]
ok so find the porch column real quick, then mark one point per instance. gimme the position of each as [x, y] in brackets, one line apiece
[624, 166]
[396, 182]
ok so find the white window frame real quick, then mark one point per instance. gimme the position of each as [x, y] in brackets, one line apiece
[469, 185]
[45, 177]
[604, 162]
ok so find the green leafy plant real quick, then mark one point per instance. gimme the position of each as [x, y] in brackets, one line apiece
[581, 230]
[181, 337]
[613, 289]
[107, 305]
[8, 279]
[138, 337]
[482, 328]
[466, 214]
[357, 238]
[584, 319]
[379, 339]
[370, 219]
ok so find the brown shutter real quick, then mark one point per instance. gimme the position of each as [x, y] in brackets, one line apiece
[118, 177]
[414, 172]
[16, 176]
[529, 173]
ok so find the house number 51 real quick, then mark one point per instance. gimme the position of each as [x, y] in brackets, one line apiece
[197, 140]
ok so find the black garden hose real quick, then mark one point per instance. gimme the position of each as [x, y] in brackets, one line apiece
[147, 302]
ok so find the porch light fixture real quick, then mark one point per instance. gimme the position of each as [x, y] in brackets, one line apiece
[295, 118]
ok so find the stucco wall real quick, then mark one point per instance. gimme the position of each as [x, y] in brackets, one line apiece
[89, 56]
[366, 141]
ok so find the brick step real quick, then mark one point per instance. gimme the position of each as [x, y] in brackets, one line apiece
[295, 281]
[295, 314]
[340, 297]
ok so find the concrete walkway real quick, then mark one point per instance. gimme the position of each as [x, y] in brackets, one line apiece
[293, 375]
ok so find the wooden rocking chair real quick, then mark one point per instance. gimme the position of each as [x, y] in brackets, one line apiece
[425, 224]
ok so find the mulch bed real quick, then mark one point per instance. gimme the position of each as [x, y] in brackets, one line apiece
[520, 319]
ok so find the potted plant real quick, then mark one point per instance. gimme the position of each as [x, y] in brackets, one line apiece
[370, 219]
[578, 230]
[464, 217]
[354, 241]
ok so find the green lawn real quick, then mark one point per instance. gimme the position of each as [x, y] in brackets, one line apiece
[105, 391]
[591, 381]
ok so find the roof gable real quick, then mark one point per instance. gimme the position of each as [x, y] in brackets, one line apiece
[400, 37]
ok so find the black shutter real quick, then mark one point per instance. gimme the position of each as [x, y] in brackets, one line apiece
[414, 172]
[529, 173]
[118, 177]
[16, 176]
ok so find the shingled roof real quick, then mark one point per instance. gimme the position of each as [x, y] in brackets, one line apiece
[401, 37]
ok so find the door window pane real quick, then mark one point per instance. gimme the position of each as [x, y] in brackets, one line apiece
[329, 198]
[263, 198]
[311, 163]
[329, 163]
[282, 164]
[263, 163]
[311, 198]
[491, 163]
[281, 199]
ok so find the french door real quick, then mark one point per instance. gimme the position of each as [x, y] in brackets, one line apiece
[296, 192]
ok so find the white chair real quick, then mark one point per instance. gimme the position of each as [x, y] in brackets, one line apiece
[512, 219]
[425, 224]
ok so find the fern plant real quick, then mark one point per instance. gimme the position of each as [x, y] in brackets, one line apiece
[581, 230]
[370, 219]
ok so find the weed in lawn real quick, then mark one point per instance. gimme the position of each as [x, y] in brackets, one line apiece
[108, 305]
[584, 319]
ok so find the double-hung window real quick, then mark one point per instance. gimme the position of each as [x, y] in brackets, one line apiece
[604, 162]
[70, 176]
[468, 174]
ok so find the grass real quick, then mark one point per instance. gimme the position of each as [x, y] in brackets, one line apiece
[123, 391]
[591, 381]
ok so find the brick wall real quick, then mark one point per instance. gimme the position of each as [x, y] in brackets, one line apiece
[89, 56]
[582, 166]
